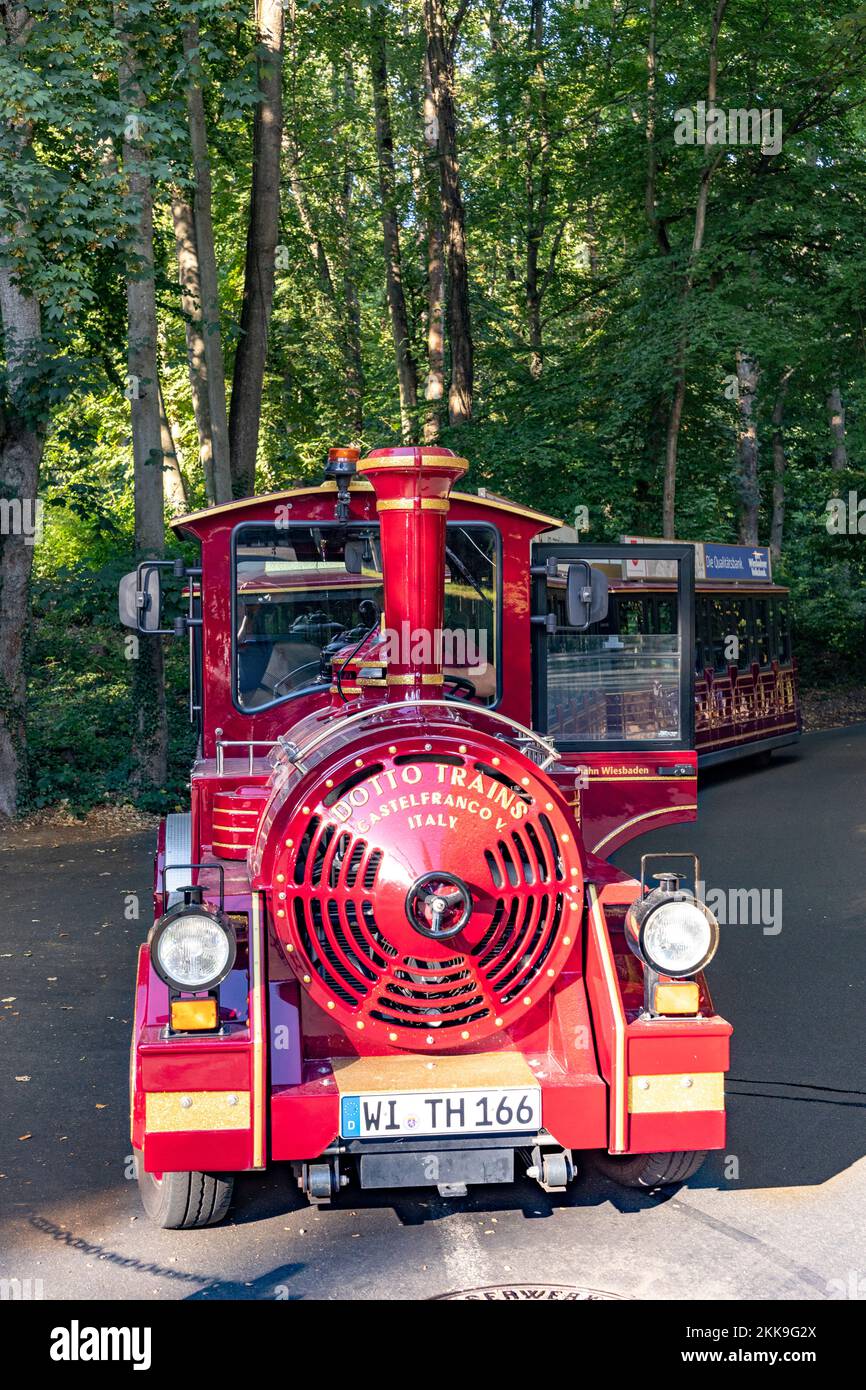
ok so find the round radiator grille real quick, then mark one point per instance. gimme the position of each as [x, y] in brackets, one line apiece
[428, 899]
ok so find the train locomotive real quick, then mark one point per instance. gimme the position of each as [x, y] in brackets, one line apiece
[389, 946]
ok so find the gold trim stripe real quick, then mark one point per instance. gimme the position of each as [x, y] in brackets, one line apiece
[676, 1092]
[369, 465]
[646, 815]
[168, 1112]
[426, 679]
[408, 504]
[599, 928]
[257, 1005]
[751, 736]
[529, 512]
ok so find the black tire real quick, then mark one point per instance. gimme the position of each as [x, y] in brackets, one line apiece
[650, 1170]
[184, 1201]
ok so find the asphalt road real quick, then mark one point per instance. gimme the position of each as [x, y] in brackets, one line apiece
[779, 1215]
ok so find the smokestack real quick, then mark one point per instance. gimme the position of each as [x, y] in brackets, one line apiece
[412, 487]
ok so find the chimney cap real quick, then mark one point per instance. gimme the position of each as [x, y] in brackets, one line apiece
[412, 451]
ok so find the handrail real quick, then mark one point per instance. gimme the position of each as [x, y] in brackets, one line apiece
[296, 755]
[249, 743]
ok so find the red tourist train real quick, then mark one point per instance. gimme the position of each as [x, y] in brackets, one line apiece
[388, 940]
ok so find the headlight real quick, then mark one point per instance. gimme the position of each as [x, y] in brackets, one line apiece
[192, 949]
[672, 933]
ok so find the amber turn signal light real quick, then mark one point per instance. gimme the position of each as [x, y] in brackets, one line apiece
[680, 998]
[193, 1015]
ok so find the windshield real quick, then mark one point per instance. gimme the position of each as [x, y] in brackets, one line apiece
[305, 592]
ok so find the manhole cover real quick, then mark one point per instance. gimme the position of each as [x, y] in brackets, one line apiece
[555, 1293]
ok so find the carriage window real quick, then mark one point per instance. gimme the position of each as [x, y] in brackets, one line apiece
[633, 613]
[782, 623]
[741, 629]
[296, 604]
[762, 631]
[702, 645]
[721, 631]
[666, 614]
[614, 686]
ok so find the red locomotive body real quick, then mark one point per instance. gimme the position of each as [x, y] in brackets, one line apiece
[387, 936]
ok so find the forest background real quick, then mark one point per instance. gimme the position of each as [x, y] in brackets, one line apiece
[613, 253]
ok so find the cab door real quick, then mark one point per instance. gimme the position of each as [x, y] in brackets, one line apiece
[618, 699]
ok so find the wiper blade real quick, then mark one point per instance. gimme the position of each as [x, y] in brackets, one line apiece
[458, 564]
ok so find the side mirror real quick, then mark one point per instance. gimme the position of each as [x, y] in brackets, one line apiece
[354, 557]
[586, 595]
[139, 599]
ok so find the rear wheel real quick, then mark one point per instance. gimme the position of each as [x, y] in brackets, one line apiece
[650, 1170]
[183, 1201]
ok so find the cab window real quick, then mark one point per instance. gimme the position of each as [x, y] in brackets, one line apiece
[297, 603]
[471, 636]
[620, 681]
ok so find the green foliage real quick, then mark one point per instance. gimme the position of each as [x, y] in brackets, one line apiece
[81, 695]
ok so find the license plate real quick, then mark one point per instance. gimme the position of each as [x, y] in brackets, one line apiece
[384, 1115]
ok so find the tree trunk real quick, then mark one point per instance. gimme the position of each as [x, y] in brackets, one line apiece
[343, 314]
[434, 386]
[191, 304]
[351, 302]
[747, 449]
[537, 186]
[407, 376]
[657, 227]
[777, 522]
[21, 445]
[503, 118]
[150, 739]
[20, 457]
[173, 481]
[836, 410]
[669, 490]
[214, 361]
[441, 40]
[262, 233]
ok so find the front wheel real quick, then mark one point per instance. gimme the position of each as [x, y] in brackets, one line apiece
[650, 1170]
[183, 1201]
